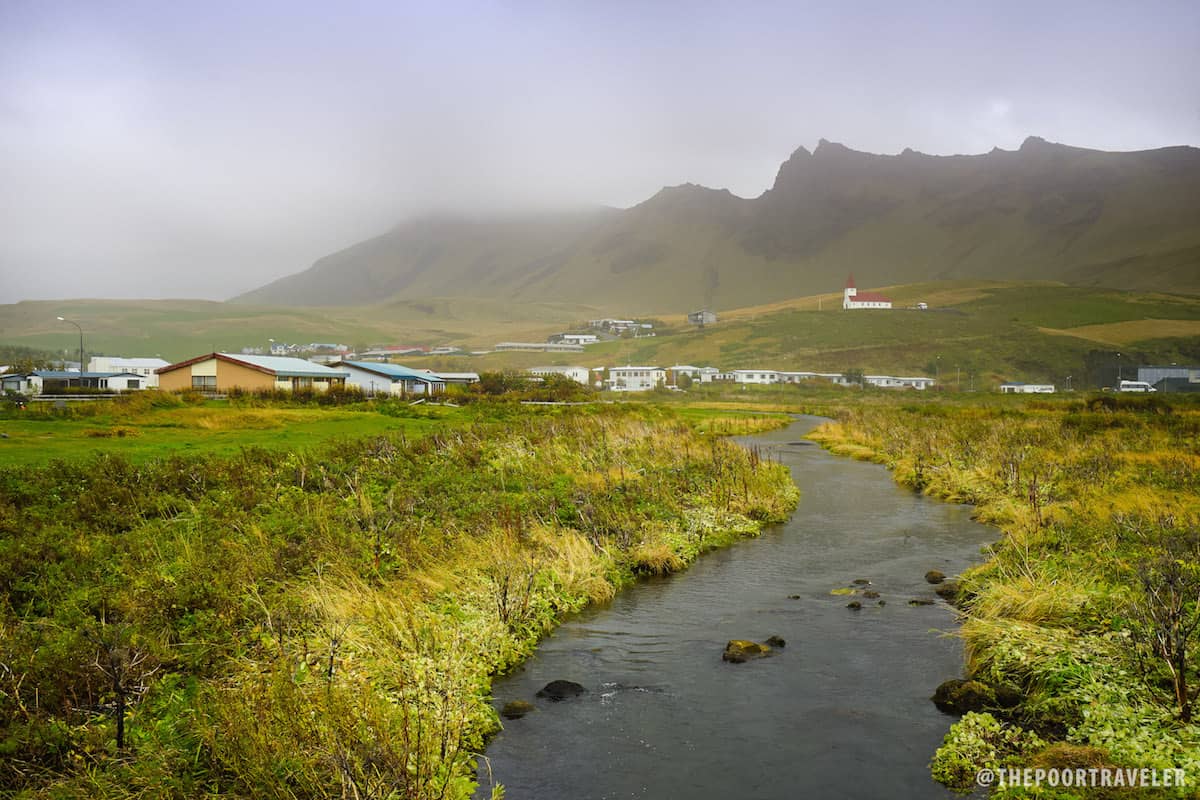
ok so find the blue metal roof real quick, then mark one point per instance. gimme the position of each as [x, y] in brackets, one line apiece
[394, 371]
[55, 374]
[287, 367]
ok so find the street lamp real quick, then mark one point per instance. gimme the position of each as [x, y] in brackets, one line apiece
[1118, 368]
[76, 324]
[1068, 383]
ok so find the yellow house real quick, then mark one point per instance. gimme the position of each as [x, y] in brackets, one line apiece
[220, 372]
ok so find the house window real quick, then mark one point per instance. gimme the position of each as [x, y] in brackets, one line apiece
[132, 383]
[205, 383]
[302, 383]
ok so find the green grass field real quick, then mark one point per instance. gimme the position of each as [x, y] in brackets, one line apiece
[216, 427]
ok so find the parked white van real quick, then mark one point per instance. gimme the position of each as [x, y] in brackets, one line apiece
[1135, 386]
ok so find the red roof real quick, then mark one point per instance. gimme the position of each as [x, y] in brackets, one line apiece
[869, 297]
[850, 281]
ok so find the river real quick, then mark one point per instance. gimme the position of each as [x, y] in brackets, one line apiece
[842, 711]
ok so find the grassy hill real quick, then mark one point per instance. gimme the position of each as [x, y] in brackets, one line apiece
[990, 331]
[177, 329]
[975, 331]
[1044, 212]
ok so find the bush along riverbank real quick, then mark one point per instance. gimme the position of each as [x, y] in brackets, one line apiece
[325, 624]
[1080, 630]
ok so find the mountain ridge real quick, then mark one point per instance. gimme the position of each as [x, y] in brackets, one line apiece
[1126, 220]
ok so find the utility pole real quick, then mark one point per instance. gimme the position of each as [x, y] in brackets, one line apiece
[1068, 383]
[81, 362]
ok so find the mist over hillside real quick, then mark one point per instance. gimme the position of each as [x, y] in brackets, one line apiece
[1128, 220]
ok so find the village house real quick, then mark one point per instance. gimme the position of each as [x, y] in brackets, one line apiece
[636, 379]
[580, 375]
[888, 382]
[220, 372]
[1026, 388]
[852, 298]
[574, 338]
[137, 366]
[461, 378]
[762, 376]
[381, 378]
[53, 381]
[540, 347]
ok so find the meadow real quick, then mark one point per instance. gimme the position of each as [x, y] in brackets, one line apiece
[1081, 627]
[324, 621]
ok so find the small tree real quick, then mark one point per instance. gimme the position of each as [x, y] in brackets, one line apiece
[1168, 608]
[684, 381]
[855, 375]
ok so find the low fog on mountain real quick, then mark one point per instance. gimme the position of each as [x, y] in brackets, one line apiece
[169, 150]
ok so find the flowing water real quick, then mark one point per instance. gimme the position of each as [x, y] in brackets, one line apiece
[842, 711]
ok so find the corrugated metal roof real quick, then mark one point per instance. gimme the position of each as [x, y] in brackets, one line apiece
[57, 374]
[288, 367]
[394, 371]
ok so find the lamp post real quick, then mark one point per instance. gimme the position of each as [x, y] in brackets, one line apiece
[77, 327]
[1068, 383]
[1119, 376]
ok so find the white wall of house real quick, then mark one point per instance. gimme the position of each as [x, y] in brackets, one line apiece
[1026, 388]
[635, 379]
[138, 366]
[580, 375]
[370, 381]
[755, 376]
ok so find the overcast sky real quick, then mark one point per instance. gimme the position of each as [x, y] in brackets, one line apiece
[200, 149]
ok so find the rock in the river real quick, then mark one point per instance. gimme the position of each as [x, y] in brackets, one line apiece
[561, 690]
[871, 594]
[862, 581]
[854, 604]
[920, 601]
[948, 591]
[742, 650]
[933, 576]
[516, 709]
[776, 641]
[793, 597]
[957, 696]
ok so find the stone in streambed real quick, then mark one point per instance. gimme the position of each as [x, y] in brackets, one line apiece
[957, 696]
[948, 591]
[739, 651]
[516, 709]
[776, 641]
[854, 605]
[933, 576]
[561, 690]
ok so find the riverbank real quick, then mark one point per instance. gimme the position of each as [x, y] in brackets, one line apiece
[325, 623]
[841, 709]
[1100, 560]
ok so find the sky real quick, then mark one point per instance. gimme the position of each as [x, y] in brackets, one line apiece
[201, 149]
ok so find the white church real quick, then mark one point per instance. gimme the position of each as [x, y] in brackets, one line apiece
[853, 298]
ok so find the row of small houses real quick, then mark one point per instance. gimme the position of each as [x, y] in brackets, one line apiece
[222, 372]
[640, 379]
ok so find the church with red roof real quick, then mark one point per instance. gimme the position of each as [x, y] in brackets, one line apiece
[853, 298]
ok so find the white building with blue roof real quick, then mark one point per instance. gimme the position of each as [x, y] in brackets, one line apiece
[375, 377]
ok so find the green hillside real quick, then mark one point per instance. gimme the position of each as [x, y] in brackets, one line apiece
[176, 329]
[1044, 212]
[990, 331]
